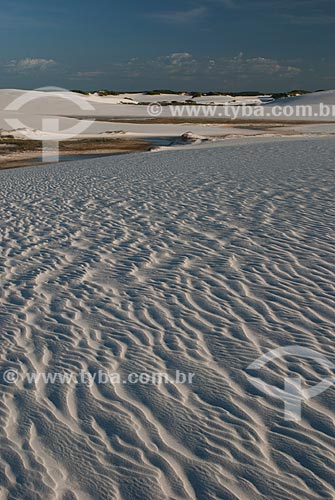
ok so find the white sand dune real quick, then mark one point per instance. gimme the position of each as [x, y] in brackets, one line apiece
[314, 100]
[325, 96]
[42, 105]
[32, 115]
[168, 98]
[126, 105]
[197, 261]
[233, 101]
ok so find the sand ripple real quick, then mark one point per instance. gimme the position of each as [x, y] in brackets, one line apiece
[193, 261]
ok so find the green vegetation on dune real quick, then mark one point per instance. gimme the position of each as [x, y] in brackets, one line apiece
[163, 91]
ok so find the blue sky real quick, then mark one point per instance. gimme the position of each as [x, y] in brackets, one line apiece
[191, 44]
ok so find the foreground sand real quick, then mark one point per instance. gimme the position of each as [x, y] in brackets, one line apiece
[192, 260]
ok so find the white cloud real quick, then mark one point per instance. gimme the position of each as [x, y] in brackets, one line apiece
[87, 74]
[179, 16]
[184, 65]
[29, 64]
[243, 67]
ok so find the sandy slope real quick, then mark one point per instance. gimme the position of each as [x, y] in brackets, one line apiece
[313, 100]
[191, 260]
[7, 95]
[43, 103]
[325, 96]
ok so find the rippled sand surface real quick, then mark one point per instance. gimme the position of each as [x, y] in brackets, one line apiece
[198, 261]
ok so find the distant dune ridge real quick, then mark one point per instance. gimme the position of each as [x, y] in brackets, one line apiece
[113, 118]
[126, 105]
[198, 261]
